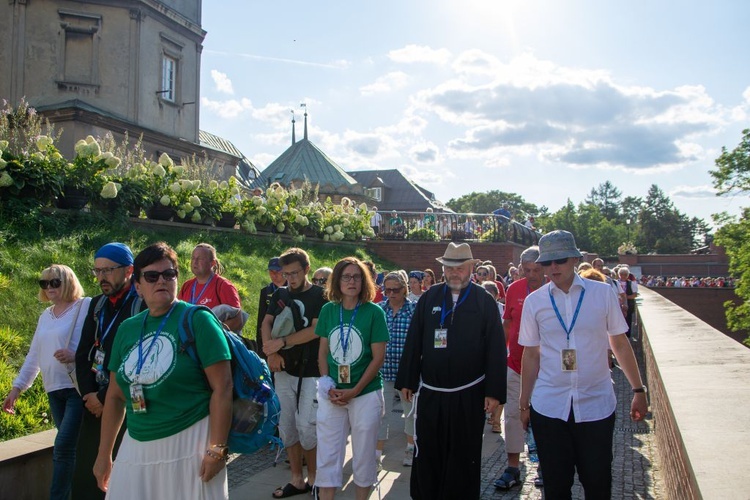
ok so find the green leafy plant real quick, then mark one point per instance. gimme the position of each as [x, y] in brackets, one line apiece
[422, 234]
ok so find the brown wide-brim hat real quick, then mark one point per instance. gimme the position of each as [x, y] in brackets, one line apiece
[455, 255]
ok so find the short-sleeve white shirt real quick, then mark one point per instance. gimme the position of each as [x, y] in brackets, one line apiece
[589, 389]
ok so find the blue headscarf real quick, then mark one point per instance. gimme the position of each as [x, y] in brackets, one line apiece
[116, 252]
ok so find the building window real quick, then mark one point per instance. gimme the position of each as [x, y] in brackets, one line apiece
[375, 193]
[78, 51]
[168, 78]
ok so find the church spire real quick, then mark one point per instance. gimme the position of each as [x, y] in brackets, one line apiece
[293, 130]
[304, 105]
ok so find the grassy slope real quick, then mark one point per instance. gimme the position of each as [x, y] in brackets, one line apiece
[31, 242]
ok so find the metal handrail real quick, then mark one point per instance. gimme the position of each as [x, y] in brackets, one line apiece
[455, 227]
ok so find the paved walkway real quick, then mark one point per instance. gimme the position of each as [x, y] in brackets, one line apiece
[635, 468]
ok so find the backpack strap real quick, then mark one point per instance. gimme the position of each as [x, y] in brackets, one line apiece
[99, 305]
[135, 306]
[185, 331]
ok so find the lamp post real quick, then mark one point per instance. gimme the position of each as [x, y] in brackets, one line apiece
[627, 225]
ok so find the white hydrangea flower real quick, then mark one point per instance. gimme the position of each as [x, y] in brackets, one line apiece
[187, 207]
[3, 145]
[158, 171]
[280, 227]
[195, 201]
[175, 187]
[109, 191]
[165, 200]
[81, 147]
[165, 160]
[196, 217]
[5, 179]
[234, 191]
[3, 163]
[329, 230]
[223, 184]
[179, 169]
[257, 201]
[42, 142]
[181, 214]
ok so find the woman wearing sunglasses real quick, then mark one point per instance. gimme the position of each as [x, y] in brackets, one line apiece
[398, 313]
[353, 334]
[178, 411]
[52, 352]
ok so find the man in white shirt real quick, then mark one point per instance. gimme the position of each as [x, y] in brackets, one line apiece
[376, 221]
[567, 326]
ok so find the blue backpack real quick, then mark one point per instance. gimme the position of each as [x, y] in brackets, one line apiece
[255, 406]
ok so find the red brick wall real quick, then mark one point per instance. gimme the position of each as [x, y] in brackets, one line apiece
[705, 303]
[676, 469]
[410, 255]
[713, 264]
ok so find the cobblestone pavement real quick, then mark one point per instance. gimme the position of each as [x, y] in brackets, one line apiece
[635, 467]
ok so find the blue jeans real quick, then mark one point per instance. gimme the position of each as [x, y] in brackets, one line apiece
[67, 410]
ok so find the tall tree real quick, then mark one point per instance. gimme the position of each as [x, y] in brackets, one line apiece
[732, 172]
[606, 197]
[486, 203]
[732, 175]
[663, 229]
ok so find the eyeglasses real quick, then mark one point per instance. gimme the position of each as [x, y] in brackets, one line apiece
[320, 281]
[292, 274]
[53, 283]
[105, 271]
[559, 262]
[153, 276]
[393, 290]
[346, 278]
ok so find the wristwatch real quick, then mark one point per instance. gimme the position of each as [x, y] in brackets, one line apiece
[643, 389]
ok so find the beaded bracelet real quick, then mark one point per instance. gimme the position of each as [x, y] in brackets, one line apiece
[216, 456]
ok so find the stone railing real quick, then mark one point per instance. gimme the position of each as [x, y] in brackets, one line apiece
[699, 384]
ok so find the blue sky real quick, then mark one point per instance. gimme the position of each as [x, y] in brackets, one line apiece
[546, 99]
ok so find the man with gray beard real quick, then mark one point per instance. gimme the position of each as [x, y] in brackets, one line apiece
[454, 366]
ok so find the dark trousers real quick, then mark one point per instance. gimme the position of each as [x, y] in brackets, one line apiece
[565, 447]
[448, 463]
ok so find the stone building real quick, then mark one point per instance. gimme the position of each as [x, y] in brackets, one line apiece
[107, 65]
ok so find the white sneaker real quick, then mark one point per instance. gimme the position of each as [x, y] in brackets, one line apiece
[408, 457]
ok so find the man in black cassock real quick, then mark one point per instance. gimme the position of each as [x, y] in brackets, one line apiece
[454, 365]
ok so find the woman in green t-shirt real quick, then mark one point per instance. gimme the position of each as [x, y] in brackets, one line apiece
[353, 335]
[179, 411]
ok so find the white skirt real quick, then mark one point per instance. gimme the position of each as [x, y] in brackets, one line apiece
[165, 468]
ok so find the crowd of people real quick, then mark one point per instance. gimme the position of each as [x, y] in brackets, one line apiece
[688, 282]
[447, 226]
[453, 345]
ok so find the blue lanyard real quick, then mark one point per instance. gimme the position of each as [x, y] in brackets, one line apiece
[141, 356]
[444, 312]
[575, 314]
[345, 338]
[100, 341]
[193, 298]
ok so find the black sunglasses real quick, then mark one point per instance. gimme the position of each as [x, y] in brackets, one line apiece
[53, 283]
[153, 276]
[559, 262]
[320, 281]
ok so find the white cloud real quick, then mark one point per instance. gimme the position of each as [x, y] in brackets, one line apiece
[425, 152]
[581, 118]
[386, 83]
[419, 53]
[704, 191]
[222, 82]
[229, 109]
